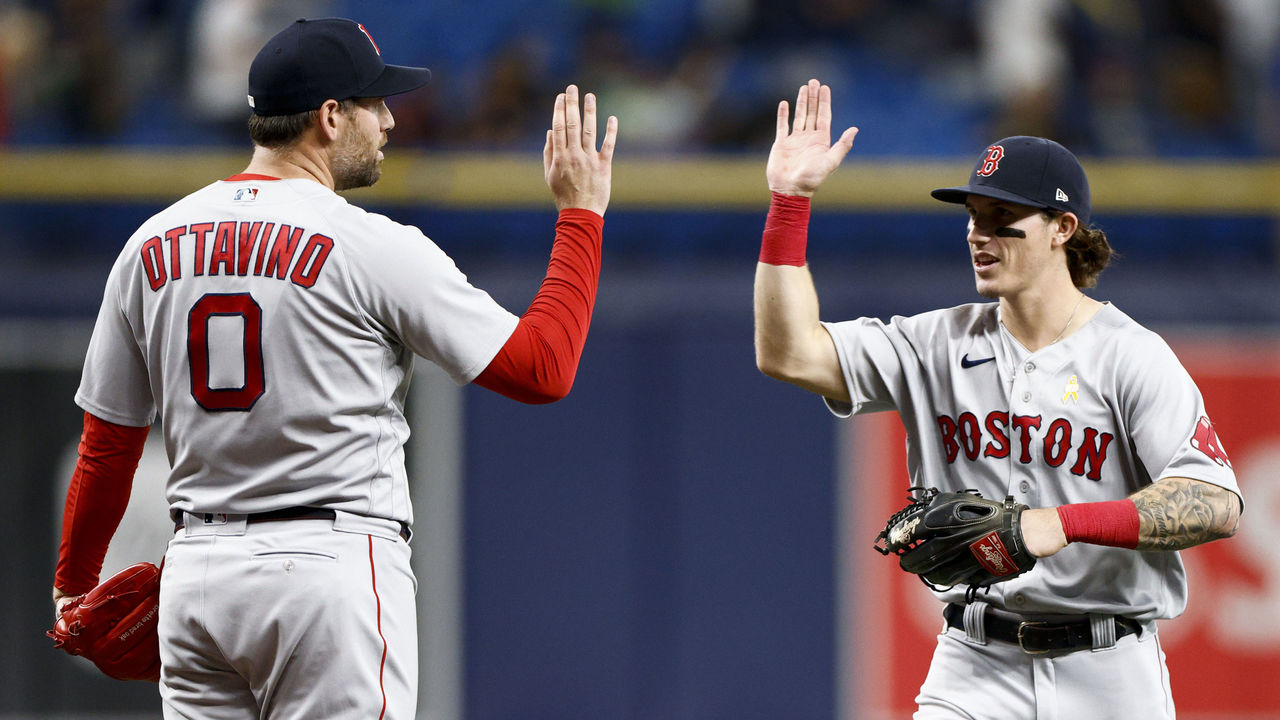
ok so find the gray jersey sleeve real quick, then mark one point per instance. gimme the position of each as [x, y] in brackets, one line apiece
[872, 355]
[115, 367]
[1167, 419]
[895, 365]
[417, 295]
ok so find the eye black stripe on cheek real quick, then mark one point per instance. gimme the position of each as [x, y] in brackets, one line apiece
[1010, 232]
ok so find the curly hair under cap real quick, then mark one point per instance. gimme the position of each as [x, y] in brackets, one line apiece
[1088, 254]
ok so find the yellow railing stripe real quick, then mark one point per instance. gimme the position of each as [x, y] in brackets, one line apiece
[514, 181]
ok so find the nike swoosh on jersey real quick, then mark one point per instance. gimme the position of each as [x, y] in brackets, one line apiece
[966, 363]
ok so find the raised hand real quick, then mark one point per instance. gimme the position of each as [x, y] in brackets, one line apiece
[802, 155]
[578, 175]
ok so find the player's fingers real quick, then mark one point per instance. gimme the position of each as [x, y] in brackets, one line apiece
[610, 138]
[811, 109]
[547, 154]
[589, 122]
[824, 109]
[842, 146]
[572, 120]
[783, 128]
[63, 603]
[802, 109]
[557, 122]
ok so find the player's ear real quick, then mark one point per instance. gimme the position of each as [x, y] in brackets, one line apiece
[1063, 227]
[327, 119]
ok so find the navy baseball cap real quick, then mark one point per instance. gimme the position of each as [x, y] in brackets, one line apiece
[316, 60]
[1027, 170]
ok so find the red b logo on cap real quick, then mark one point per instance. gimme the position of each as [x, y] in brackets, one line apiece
[989, 164]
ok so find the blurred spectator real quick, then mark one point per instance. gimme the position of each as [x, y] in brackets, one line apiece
[1192, 77]
[1252, 29]
[1131, 77]
[509, 112]
[1108, 106]
[658, 101]
[225, 35]
[1124, 77]
[24, 34]
[84, 78]
[1025, 67]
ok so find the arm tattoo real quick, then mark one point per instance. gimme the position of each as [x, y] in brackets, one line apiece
[1178, 513]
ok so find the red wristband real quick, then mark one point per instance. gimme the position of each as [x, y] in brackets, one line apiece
[1113, 523]
[786, 231]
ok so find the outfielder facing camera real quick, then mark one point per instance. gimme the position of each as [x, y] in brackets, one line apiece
[274, 325]
[1083, 420]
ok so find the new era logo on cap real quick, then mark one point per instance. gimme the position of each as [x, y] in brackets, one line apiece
[1061, 196]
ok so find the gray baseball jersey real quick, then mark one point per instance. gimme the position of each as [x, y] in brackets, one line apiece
[273, 326]
[1094, 417]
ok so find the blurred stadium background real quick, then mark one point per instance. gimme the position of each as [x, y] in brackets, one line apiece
[675, 540]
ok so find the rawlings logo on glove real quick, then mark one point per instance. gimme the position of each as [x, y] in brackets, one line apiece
[950, 539]
[991, 553]
[114, 624]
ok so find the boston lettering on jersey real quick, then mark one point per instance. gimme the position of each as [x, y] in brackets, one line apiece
[231, 248]
[991, 439]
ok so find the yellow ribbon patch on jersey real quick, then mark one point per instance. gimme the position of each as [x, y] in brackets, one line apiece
[1072, 392]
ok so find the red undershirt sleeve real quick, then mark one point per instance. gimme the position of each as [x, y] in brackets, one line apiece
[96, 500]
[540, 360]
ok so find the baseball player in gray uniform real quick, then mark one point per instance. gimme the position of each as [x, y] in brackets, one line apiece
[1044, 394]
[273, 326]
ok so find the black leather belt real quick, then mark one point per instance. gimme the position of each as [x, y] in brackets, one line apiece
[1037, 637]
[291, 513]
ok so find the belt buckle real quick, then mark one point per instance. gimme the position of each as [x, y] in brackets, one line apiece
[1021, 644]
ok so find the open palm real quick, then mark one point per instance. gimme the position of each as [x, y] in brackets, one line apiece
[802, 155]
[579, 176]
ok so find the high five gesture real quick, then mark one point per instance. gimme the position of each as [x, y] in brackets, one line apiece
[579, 177]
[802, 155]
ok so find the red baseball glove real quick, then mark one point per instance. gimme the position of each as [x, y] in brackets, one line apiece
[114, 624]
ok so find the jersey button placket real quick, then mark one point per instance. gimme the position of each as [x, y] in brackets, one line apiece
[1028, 368]
[1022, 390]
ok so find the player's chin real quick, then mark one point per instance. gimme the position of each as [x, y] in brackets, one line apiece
[987, 288]
[357, 177]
